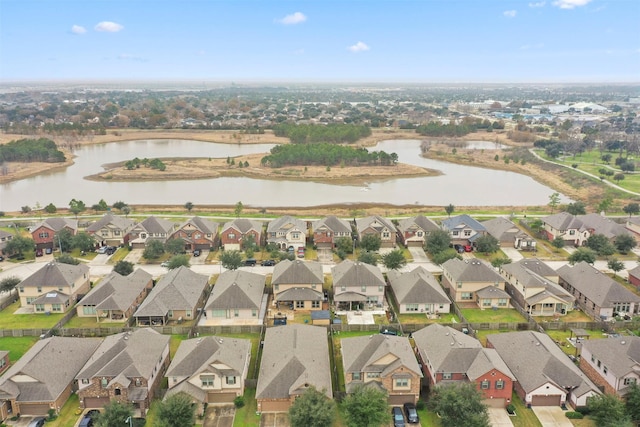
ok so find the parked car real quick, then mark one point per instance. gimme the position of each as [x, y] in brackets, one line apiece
[110, 250]
[164, 264]
[398, 418]
[37, 422]
[102, 250]
[48, 251]
[1, 258]
[39, 252]
[87, 419]
[412, 413]
[301, 252]
[250, 262]
[468, 248]
[268, 263]
[196, 252]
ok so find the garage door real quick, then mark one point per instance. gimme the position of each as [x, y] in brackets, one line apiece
[400, 399]
[552, 400]
[220, 397]
[415, 243]
[202, 246]
[95, 402]
[34, 408]
[232, 247]
[275, 406]
[495, 403]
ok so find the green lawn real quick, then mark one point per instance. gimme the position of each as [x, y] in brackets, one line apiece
[8, 320]
[422, 318]
[90, 322]
[524, 416]
[17, 346]
[572, 316]
[482, 335]
[561, 338]
[67, 416]
[246, 416]
[501, 315]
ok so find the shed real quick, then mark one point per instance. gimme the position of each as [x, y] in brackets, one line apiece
[320, 317]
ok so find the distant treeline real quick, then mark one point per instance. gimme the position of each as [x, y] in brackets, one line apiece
[31, 150]
[153, 164]
[467, 126]
[334, 133]
[325, 154]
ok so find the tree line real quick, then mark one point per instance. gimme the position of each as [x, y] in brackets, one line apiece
[467, 126]
[333, 133]
[31, 150]
[325, 154]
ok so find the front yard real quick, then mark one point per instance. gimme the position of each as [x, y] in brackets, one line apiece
[500, 315]
[8, 320]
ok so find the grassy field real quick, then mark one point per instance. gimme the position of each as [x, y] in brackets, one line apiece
[246, 416]
[524, 416]
[17, 346]
[90, 322]
[561, 338]
[422, 318]
[501, 315]
[8, 320]
[572, 316]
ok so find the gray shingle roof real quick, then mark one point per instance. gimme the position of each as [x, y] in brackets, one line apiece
[294, 356]
[180, 289]
[56, 274]
[596, 286]
[635, 271]
[244, 225]
[529, 279]
[127, 355]
[419, 222]
[67, 355]
[492, 292]
[286, 223]
[236, 289]
[417, 287]
[461, 221]
[534, 359]
[603, 225]
[154, 225]
[299, 294]
[297, 272]
[362, 354]
[56, 224]
[376, 222]
[349, 273]
[621, 355]
[563, 221]
[333, 223]
[117, 292]
[502, 229]
[53, 297]
[116, 221]
[537, 266]
[474, 270]
[203, 224]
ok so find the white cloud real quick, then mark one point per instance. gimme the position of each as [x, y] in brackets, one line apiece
[77, 29]
[294, 18]
[108, 27]
[510, 13]
[538, 4]
[570, 4]
[359, 47]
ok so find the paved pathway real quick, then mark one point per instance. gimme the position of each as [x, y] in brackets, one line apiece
[512, 253]
[498, 417]
[551, 416]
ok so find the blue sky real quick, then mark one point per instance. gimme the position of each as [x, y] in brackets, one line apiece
[323, 40]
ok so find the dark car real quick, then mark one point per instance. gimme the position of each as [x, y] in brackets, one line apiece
[87, 419]
[411, 412]
[48, 251]
[110, 250]
[250, 262]
[268, 263]
[196, 252]
[1, 258]
[398, 418]
[37, 422]
[39, 252]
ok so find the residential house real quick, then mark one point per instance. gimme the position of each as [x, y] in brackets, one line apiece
[111, 230]
[463, 229]
[545, 376]
[234, 233]
[418, 292]
[5, 237]
[198, 233]
[633, 224]
[378, 226]
[328, 229]
[414, 231]
[464, 279]
[298, 284]
[597, 294]
[509, 235]
[151, 228]
[116, 297]
[31, 387]
[54, 288]
[128, 368]
[450, 356]
[533, 285]
[357, 286]
[612, 363]
[383, 362]
[4, 361]
[236, 297]
[176, 297]
[287, 233]
[634, 276]
[576, 229]
[294, 357]
[210, 370]
[44, 232]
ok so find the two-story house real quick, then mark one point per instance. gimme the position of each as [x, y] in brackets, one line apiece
[111, 230]
[151, 228]
[377, 226]
[287, 233]
[382, 361]
[448, 356]
[210, 370]
[576, 229]
[358, 286]
[414, 231]
[198, 233]
[236, 298]
[474, 281]
[127, 367]
[418, 292]
[463, 229]
[5, 237]
[234, 233]
[298, 284]
[612, 363]
[509, 235]
[43, 234]
[54, 288]
[328, 229]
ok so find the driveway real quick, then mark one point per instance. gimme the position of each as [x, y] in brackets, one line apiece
[274, 419]
[134, 256]
[512, 253]
[551, 416]
[498, 417]
[199, 260]
[325, 255]
[219, 416]
[418, 254]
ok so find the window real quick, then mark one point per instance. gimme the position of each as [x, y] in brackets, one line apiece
[356, 376]
[104, 383]
[299, 304]
[43, 235]
[363, 288]
[343, 288]
[198, 235]
[231, 236]
[402, 382]
[59, 288]
[499, 385]
[188, 313]
[486, 302]
[593, 359]
[276, 287]
[40, 308]
[455, 233]
[295, 236]
[39, 289]
[89, 309]
[117, 392]
[467, 233]
[254, 313]
[412, 307]
[30, 300]
[484, 385]
[459, 285]
[207, 380]
[446, 375]
[466, 296]
[56, 307]
[599, 363]
[21, 289]
[547, 305]
[502, 302]
[85, 381]
[105, 233]
[419, 234]
[385, 235]
[236, 313]
[138, 382]
[605, 370]
[2, 363]
[315, 304]
[116, 232]
[231, 380]
[572, 232]
[629, 381]
[170, 313]
[373, 374]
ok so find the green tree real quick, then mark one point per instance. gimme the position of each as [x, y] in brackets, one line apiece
[83, 241]
[174, 246]
[607, 410]
[367, 257]
[344, 244]
[126, 210]
[444, 256]
[312, 409]
[366, 407]
[459, 405]
[499, 262]
[632, 401]
[114, 415]
[119, 205]
[632, 209]
[370, 242]
[64, 240]
[449, 209]
[624, 243]
[394, 260]
[558, 242]
[238, 209]
[536, 225]
[618, 177]
[177, 410]
[231, 260]
[554, 201]
[615, 265]
[188, 206]
[102, 205]
[576, 208]
[605, 204]
[600, 245]
[123, 268]
[249, 244]
[437, 241]
[178, 261]
[19, 245]
[67, 259]
[153, 249]
[487, 244]
[8, 284]
[50, 208]
[582, 254]
[76, 207]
